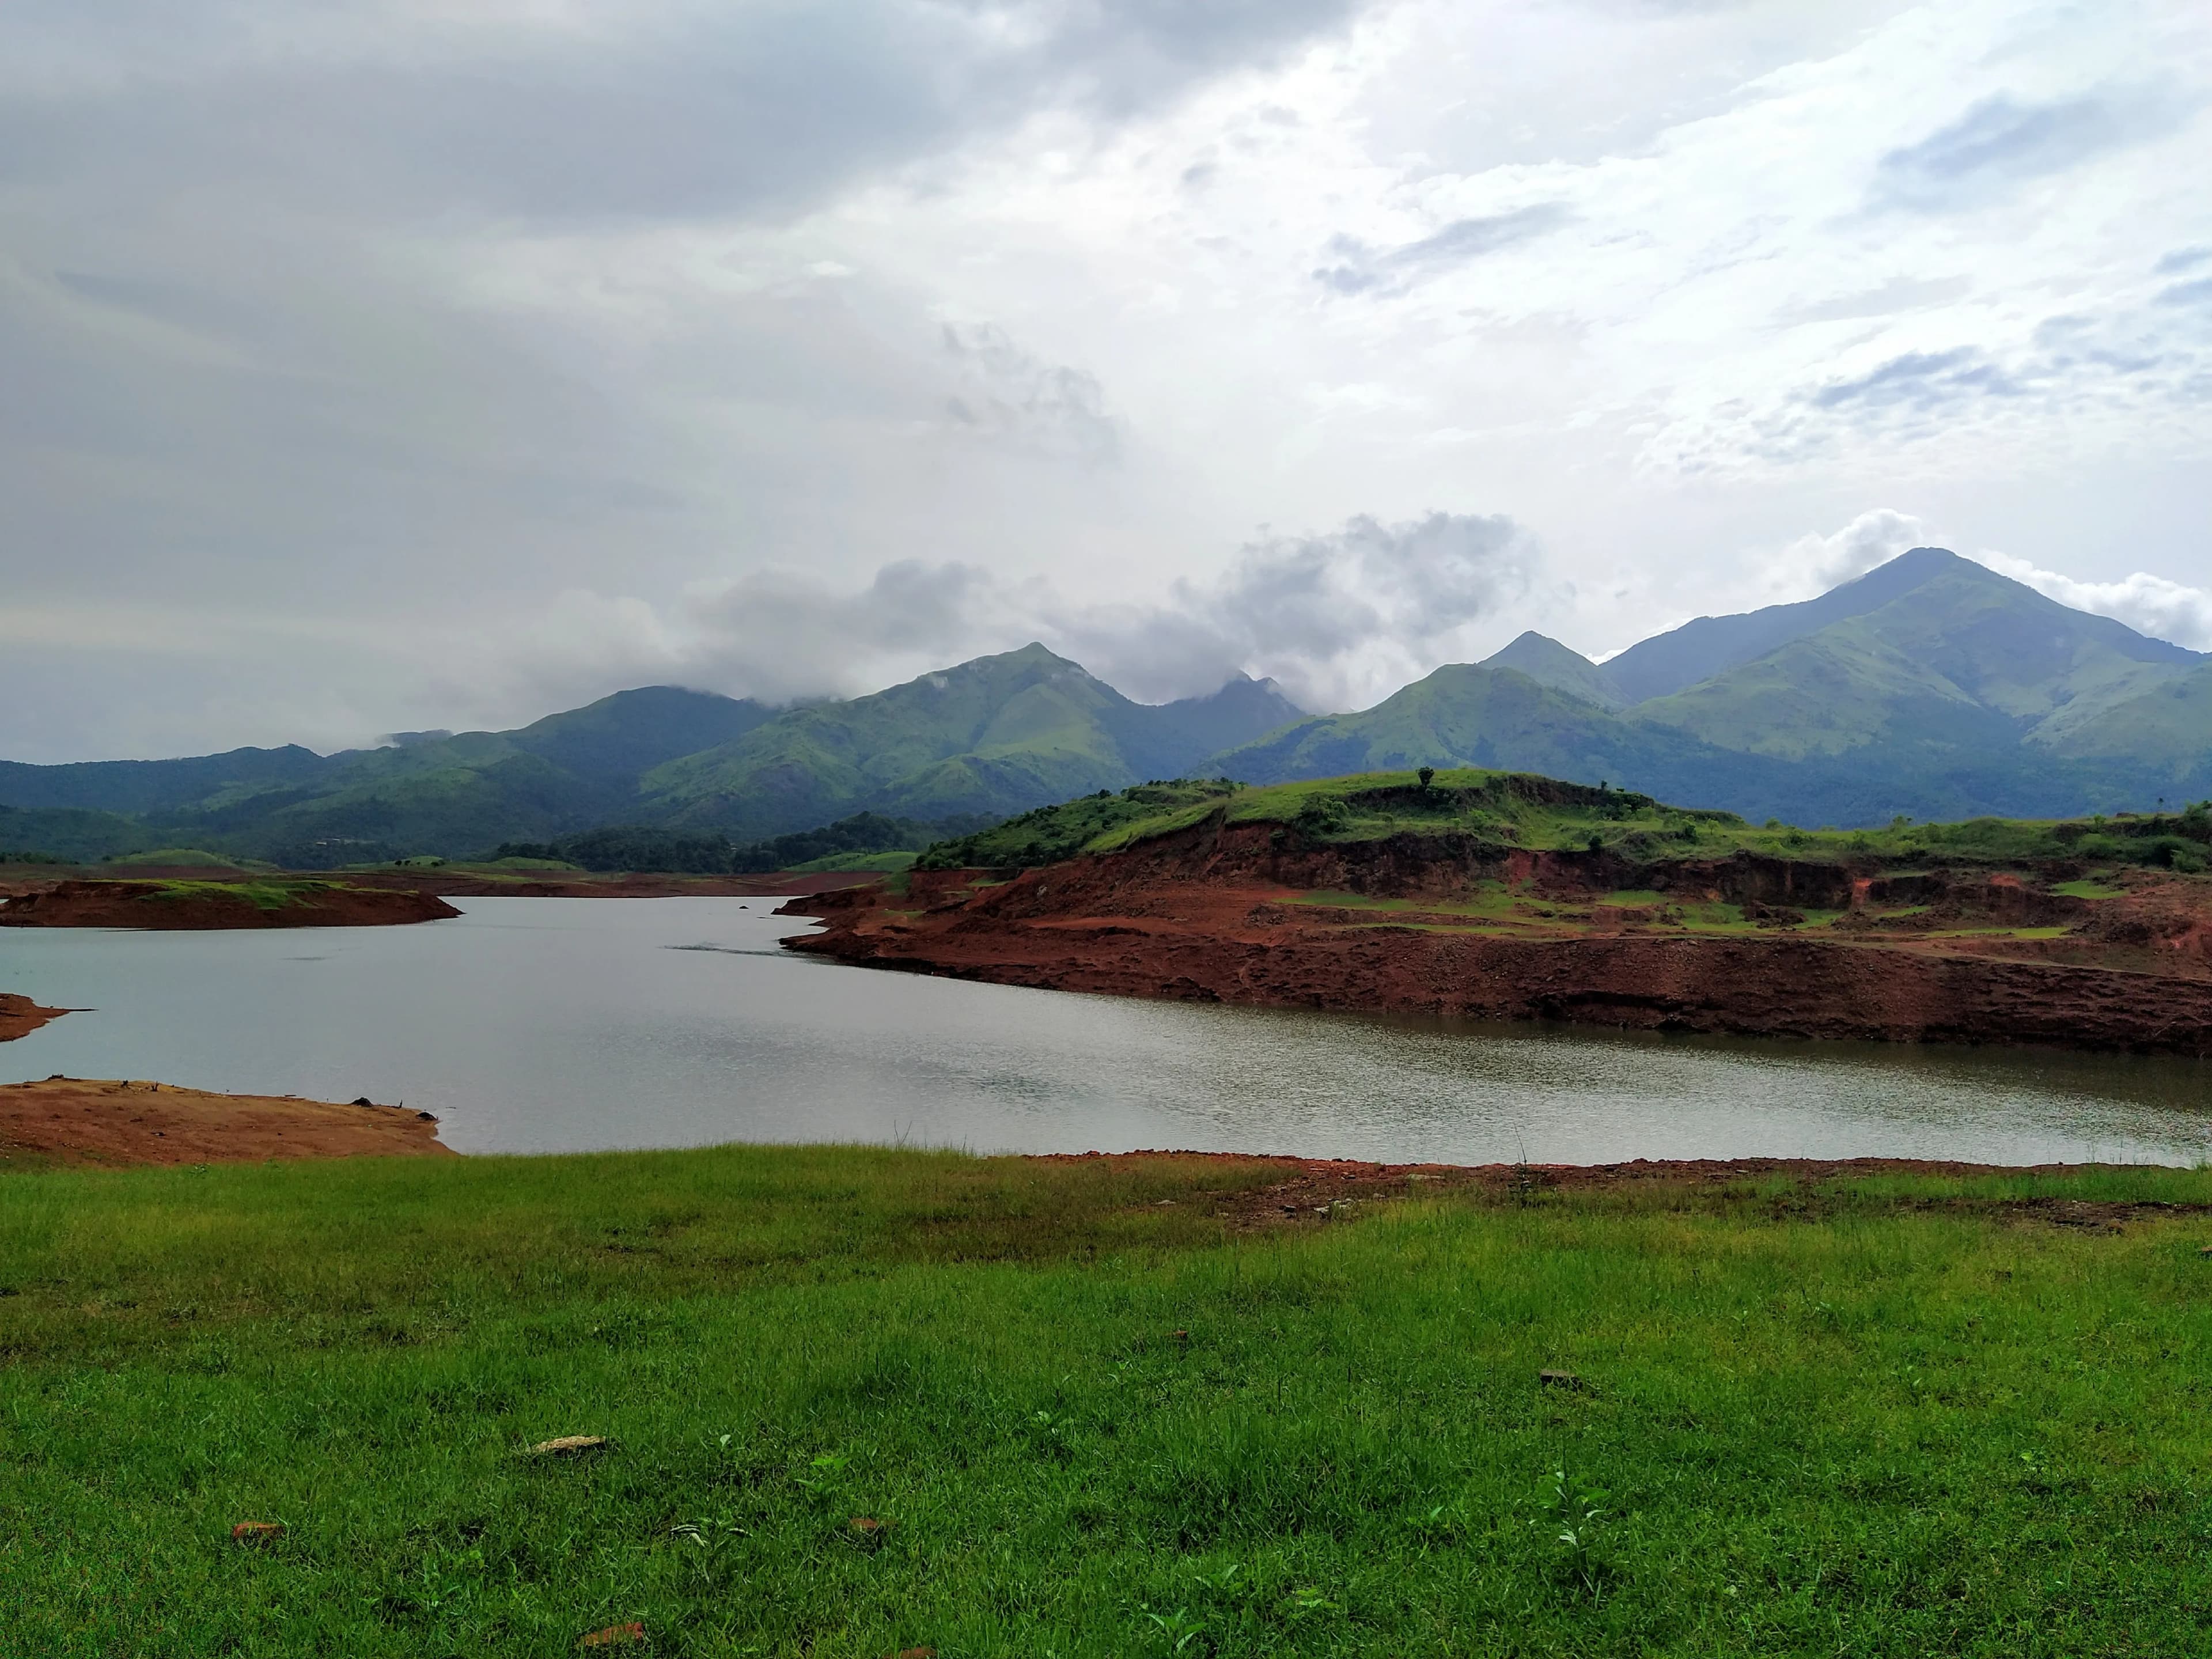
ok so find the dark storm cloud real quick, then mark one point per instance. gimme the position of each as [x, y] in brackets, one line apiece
[750, 109]
[1362, 270]
[2001, 143]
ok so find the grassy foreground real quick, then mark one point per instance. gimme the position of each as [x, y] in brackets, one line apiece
[1881, 1419]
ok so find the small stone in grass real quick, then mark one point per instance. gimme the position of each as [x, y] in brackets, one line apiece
[2204, 1249]
[569, 1445]
[614, 1635]
[1559, 1379]
[866, 1525]
[255, 1532]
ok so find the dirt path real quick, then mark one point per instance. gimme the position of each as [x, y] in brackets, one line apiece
[90, 1121]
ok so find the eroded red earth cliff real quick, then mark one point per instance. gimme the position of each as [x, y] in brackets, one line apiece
[1747, 945]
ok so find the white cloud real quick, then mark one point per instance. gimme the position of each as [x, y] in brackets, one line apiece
[2150, 604]
[1813, 563]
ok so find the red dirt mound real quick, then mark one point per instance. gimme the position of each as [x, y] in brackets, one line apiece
[166, 905]
[87, 1121]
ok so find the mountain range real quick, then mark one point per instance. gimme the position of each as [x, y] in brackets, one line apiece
[1931, 687]
[986, 738]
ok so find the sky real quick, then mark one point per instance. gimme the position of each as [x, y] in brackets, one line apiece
[382, 365]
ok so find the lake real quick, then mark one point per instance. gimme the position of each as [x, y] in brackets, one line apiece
[532, 1025]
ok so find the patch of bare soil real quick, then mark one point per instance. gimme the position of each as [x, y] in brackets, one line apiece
[90, 1121]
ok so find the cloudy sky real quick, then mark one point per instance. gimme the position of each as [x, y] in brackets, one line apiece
[382, 364]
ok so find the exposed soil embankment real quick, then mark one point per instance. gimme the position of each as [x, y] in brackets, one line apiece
[556, 883]
[210, 905]
[89, 1120]
[1248, 913]
[20, 1016]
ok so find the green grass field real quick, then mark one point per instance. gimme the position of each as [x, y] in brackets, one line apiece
[1886, 1419]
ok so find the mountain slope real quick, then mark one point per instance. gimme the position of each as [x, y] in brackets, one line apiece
[1964, 656]
[996, 735]
[1167, 740]
[1468, 715]
[140, 787]
[1547, 662]
[1681, 657]
[619, 738]
[1842, 689]
[2168, 730]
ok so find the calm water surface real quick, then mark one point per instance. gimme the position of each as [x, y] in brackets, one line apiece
[567, 1024]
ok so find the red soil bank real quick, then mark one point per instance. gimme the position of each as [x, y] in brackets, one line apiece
[20, 1016]
[557, 884]
[1213, 914]
[150, 904]
[474, 883]
[88, 1120]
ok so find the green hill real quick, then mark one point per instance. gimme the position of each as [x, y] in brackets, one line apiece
[1520, 810]
[75, 834]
